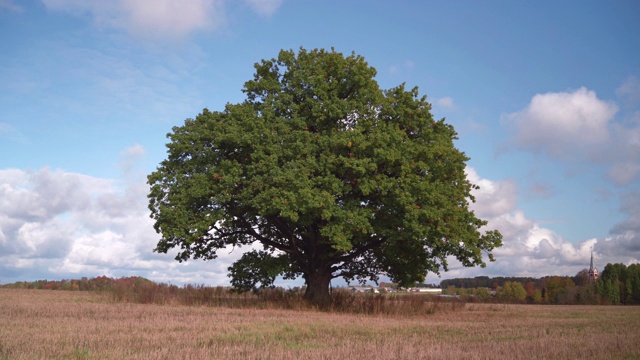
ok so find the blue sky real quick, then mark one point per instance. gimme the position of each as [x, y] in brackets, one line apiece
[545, 96]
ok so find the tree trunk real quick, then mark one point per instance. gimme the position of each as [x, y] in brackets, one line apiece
[317, 292]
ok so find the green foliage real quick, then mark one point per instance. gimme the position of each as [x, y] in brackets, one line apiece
[98, 283]
[482, 293]
[620, 284]
[511, 291]
[581, 278]
[554, 286]
[257, 269]
[489, 282]
[333, 175]
[612, 291]
[536, 297]
[451, 290]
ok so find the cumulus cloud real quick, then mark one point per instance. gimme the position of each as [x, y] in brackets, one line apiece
[631, 207]
[56, 224]
[530, 249]
[563, 123]
[166, 19]
[624, 243]
[493, 198]
[578, 126]
[44, 194]
[37, 209]
[161, 18]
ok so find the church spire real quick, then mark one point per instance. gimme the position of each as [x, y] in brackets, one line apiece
[593, 271]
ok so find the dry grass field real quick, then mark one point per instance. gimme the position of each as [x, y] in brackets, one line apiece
[41, 324]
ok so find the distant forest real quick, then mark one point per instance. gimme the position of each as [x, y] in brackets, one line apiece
[617, 284]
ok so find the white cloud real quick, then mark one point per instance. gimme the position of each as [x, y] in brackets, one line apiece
[578, 126]
[171, 18]
[41, 211]
[49, 239]
[630, 206]
[563, 124]
[157, 19]
[265, 7]
[445, 102]
[56, 224]
[134, 151]
[523, 239]
[493, 198]
[530, 249]
[624, 244]
[36, 196]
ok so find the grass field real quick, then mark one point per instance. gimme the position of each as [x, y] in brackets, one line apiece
[42, 324]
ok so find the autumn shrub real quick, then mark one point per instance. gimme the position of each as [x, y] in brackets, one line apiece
[343, 300]
[188, 295]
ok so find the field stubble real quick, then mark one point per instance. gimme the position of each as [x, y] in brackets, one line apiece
[41, 324]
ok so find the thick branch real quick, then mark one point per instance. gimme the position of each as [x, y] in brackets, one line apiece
[358, 251]
[250, 231]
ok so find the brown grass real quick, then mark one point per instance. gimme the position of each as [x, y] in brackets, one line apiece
[344, 301]
[37, 324]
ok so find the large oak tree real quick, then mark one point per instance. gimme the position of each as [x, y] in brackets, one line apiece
[331, 175]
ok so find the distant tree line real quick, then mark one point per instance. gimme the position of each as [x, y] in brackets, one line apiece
[485, 281]
[83, 284]
[618, 284]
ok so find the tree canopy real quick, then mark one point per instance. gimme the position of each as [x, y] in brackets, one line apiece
[325, 174]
